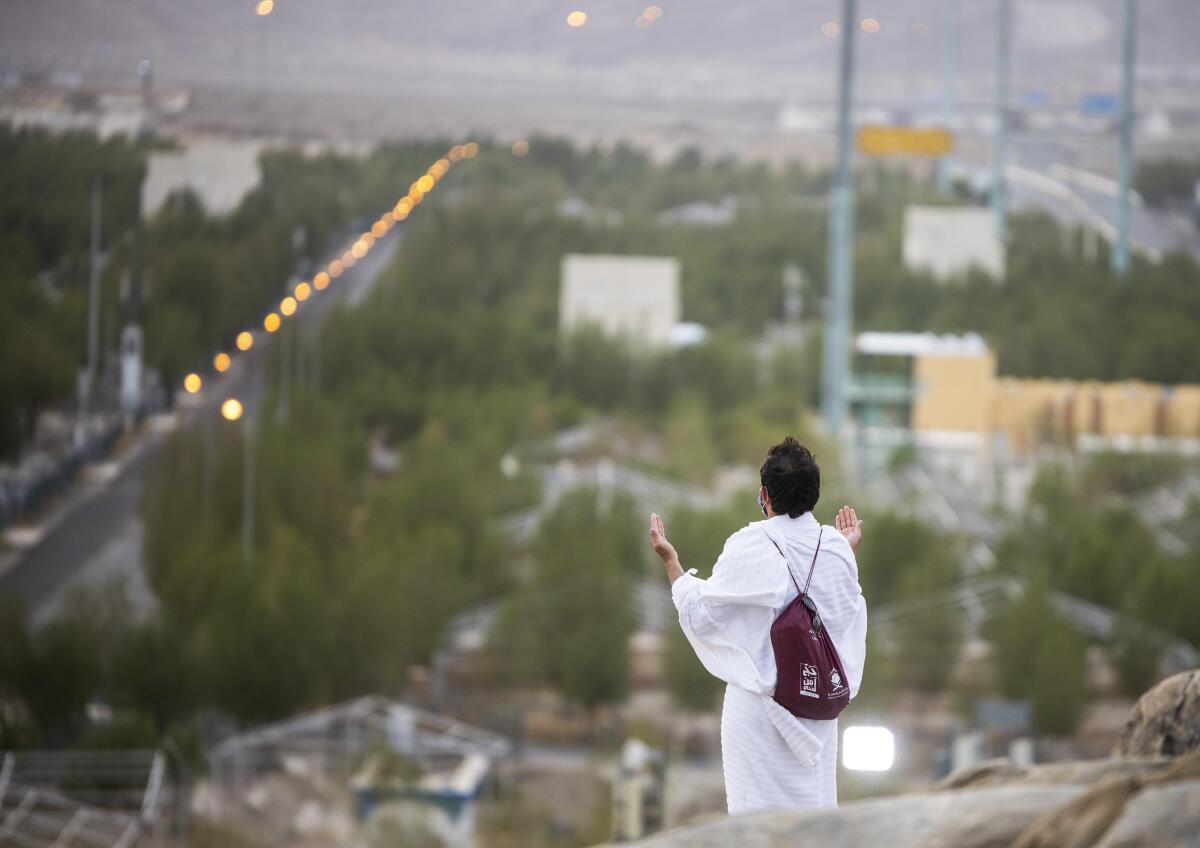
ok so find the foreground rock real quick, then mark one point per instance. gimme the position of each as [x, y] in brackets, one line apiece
[1134, 803]
[1166, 720]
[982, 818]
[1147, 798]
[1159, 808]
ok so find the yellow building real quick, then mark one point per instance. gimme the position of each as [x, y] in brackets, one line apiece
[952, 388]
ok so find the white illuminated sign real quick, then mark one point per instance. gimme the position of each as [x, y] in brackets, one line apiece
[868, 748]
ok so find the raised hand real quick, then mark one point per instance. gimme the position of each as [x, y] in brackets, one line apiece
[849, 525]
[658, 540]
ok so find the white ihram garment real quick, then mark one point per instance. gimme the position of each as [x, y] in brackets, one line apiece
[772, 759]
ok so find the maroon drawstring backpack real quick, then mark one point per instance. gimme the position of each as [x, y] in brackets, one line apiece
[811, 682]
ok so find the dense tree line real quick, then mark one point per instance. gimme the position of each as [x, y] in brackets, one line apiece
[206, 278]
[45, 202]
[1164, 181]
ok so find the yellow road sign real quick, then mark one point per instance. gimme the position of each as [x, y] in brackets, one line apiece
[885, 141]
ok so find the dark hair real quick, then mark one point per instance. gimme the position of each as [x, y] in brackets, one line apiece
[792, 478]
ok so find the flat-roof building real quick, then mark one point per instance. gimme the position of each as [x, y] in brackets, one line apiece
[631, 297]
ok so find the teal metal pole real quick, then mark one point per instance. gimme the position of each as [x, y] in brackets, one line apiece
[1000, 140]
[1120, 252]
[840, 261]
[949, 83]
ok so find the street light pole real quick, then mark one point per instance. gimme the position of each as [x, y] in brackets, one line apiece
[840, 257]
[1120, 253]
[949, 84]
[208, 451]
[1000, 140]
[88, 384]
[250, 445]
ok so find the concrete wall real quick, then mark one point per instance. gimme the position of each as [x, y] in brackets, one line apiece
[954, 392]
[634, 297]
[220, 172]
[962, 394]
[948, 240]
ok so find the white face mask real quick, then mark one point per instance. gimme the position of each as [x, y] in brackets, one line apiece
[762, 504]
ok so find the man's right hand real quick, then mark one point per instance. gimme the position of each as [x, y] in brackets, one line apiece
[847, 523]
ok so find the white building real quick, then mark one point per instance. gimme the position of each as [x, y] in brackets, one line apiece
[220, 172]
[634, 297]
[949, 240]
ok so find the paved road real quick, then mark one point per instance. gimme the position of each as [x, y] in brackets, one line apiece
[99, 536]
[1075, 198]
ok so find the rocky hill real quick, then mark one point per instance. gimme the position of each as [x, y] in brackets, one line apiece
[1146, 794]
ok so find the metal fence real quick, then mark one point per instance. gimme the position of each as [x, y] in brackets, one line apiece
[64, 799]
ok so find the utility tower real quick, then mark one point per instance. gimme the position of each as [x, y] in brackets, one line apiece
[840, 262]
[1120, 252]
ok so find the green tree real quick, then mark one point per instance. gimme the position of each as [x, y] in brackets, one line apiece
[154, 675]
[578, 602]
[690, 685]
[1039, 658]
[63, 671]
[1059, 682]
[1135, 653]
[691, 452]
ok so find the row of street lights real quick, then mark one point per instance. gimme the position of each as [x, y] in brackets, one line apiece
[233, 409]
[304, 290]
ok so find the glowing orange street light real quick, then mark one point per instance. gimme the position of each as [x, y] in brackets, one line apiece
[245, 340]
[303, 290]
[470, 149]
[231, 409]
[414, 197]
[520, 148]
[870, 25]
[320, 281]
[287, 306]
[652, 13]
[271, 322]
[455, 153]
[192, 383]
[221, 362]
[576, 19]
[335, 269]
[264, 8]
[379, 229]
[402, 208]
[425, 184]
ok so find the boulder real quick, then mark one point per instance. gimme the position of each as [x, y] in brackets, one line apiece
[1166, 816]
[1113, 805]
[1147, 797]
[1166, 720]
[1003, 772]
[968, 818]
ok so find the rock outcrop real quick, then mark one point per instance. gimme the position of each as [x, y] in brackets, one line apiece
[1166, 720]
[970, 818]
[1147, 797]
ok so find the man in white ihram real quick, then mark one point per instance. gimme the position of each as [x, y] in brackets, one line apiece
[772, 759]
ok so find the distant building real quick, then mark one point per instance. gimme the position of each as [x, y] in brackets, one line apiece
[577, 209]
[947, 241]
[221, 173]
[632, 297]
[701, 213]
[951, 393]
